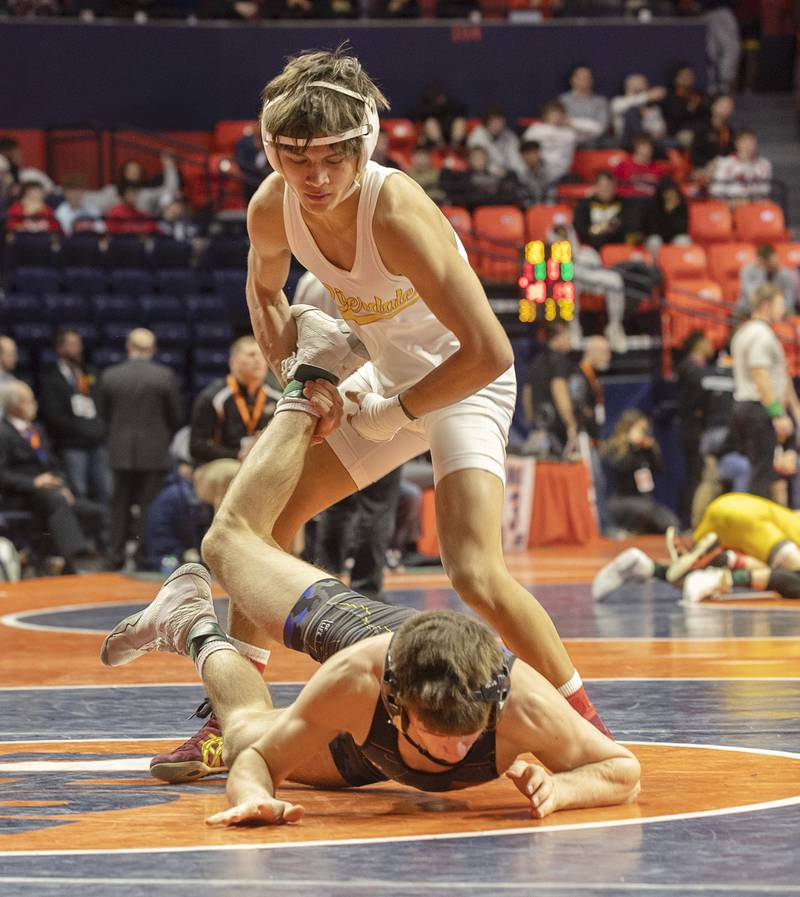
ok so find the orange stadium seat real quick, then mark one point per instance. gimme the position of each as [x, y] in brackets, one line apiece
[760, 222]
[710, 222]
[588, 163]
[539, 219]
[614, 253]
[725, 261]
[461, 220]
[695, 305]
[788, 333]
[226, 133]
[500, 234]
[683, 263]
[402, 133]
[788, 254]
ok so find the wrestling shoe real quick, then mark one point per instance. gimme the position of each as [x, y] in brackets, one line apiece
[696, 556]
[702, 584]
[183, 602]
[196, 758]
[326, 348]
[633, 565]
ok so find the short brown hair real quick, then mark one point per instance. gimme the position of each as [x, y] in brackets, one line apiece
[763, 294]
[242, 344]
[439, 658]
[306, 112]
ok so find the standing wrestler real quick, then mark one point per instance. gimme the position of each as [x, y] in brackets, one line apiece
[440, 375]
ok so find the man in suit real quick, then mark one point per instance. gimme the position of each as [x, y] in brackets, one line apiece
[69, 410]
[30, 479]
[140, 402]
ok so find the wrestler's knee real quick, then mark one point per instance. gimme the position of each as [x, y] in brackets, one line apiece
[476, 581]
[242, 729]
[221, 536]
[786, 556]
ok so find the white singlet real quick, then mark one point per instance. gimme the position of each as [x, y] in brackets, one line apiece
[405, 341]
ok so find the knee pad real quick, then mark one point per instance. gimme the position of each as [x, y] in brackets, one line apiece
[785, 556]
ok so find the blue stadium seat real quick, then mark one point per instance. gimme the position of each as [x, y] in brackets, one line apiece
[178, 281]
[171, 334]
[85, 280]
[173, 358]
[103, 356]
[226, 252]
[170, 253]
[115, 307]
[206, 307]
[37, 280]
[201, 377]
[31, 250]
[162, 308]
[211, 358]
[126, 252]
[46, 356]
[212, 333]
[81, 250]
[32, 333]
[230, 285]
[132, 281]
[116, 332]
[21, 307]
[67, 307]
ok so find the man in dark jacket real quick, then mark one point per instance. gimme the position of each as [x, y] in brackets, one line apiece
[30, 479]
[140, 402]
[69, 410]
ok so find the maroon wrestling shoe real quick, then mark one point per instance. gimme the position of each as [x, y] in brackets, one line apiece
[581, 702]
[196, 758]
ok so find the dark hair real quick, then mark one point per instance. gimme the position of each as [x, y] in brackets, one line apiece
[61, 334]
[553, 106]
[553, 329]
[745, 132]
[8, 143]
[529, 145]
[26, 187]
[604, 175]
[494, 111]
[641, 137]
[695, 337]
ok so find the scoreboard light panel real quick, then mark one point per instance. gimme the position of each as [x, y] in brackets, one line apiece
[547, 284]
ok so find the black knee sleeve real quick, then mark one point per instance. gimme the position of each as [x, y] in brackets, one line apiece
[785, 583]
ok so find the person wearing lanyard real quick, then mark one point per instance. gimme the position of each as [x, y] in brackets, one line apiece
[227, 417]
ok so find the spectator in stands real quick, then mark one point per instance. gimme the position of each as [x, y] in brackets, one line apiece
[684, 107]
[666, 216]
[532, 178]
[478, 185]
[766, 269]
[764, 393]
[545, 396]
[227, 417]
[11, 151]
[177, 221]
[638, 95]
[744, 176]
[714, 137]
[30, 213]
[69, 394]
[425, 174]
[602, 217]
[8, 358]
[635, 457]
[498, 140]
[30, 479]
[581, 102]
[78, 213]
[140, 403]
[381, 152]
[8, 186]
[558, 134]
[153, 194]
[442, 116]
[394, 9]
[723, 43]
[639, 173]
[249, 155]
[126, 218]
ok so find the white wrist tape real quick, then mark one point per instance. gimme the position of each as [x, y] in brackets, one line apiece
[379, 418]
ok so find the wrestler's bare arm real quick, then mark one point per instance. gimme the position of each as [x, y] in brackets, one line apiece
[267, 269]
[414, 240]
[584, 767]
[339, 697]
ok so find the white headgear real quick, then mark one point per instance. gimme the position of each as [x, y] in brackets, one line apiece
[368, 130]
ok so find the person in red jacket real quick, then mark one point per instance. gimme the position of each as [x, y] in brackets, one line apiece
[639, 173]
[30, 213]
[126, 218]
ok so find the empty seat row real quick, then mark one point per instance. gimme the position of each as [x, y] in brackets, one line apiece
[213, 335]
[58, 307]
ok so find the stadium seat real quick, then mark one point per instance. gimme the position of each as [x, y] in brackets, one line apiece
[115, 307]
[21, 307]
[171, 334]
[126, 252]
[211, 358]
[33, 333]
[132, 281]
[205, 307]
[230, 285]
[89, 332]
[539, 219]
[683, 263]
[788, 333]
[178, 281]
[227, 133]
[161, 308]
[500, 235]
[88, 281]
[212, 333]
[725, 261]
[614, 253]
[759, 222]
[696, 305]
[788, 254]
[170, 253]
[80, 251]
[589, 163]
[36, 280]
[201, 377]
[114, 333]
[172, 358]
[31, 250]
[104, 356]
[710, 222]
[461, 221]
[402, 133]
[226, 252]
[67, 307]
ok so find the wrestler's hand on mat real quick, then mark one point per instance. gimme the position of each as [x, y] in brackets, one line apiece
[268, 810]
[326, 399]
[377, 418]
[536, 784]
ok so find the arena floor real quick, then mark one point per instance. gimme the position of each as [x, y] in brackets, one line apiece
[707, 696]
